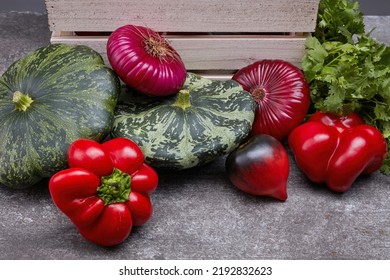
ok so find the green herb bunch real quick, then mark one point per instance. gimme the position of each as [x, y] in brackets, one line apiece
[348, 70]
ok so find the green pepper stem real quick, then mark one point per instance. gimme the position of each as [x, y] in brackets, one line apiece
[22, 101]
[115, 187]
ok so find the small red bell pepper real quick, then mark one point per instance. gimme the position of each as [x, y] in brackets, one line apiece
[336, 150]
[105, 191]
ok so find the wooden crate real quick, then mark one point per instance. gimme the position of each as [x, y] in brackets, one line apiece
[212, 36]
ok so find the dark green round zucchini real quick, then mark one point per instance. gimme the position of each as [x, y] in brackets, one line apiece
[48, 99]
[205, 120]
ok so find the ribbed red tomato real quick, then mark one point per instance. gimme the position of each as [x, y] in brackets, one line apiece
[282, 96]
[145, 61]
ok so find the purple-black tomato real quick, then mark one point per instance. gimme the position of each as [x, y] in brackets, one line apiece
[260, 167]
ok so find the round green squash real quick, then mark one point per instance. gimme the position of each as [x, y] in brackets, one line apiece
[48, 99]
[205, 120]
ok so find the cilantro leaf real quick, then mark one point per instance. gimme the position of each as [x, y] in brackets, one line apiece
[338, 20]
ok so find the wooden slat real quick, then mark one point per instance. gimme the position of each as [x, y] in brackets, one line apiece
[184, 15]
[213, 52]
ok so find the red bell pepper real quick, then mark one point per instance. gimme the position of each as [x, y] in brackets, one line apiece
[105, 190]
[336, 150]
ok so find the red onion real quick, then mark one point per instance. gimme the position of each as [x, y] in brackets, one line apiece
[145, 61]
[282, 96]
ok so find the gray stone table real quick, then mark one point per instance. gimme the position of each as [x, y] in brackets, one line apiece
[197, 212]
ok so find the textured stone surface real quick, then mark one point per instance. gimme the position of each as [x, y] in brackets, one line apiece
[197, 212]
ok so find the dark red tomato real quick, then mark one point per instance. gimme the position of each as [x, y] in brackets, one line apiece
[282, 96]
[260, 167]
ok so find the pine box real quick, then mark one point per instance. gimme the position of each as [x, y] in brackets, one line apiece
[213, 37]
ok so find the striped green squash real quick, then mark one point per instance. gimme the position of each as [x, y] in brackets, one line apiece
[205, 120]
[48, 99]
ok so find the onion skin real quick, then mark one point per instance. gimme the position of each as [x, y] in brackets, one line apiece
[282, 95]
[145, 61]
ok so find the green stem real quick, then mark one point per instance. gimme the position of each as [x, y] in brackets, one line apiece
[333, 60]
[183, 99]
[22, 101]
[115, 187]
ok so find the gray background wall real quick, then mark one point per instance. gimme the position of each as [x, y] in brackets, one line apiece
[368, 7]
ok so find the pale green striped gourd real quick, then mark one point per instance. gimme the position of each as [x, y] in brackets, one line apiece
[48, 99]
[205, 120]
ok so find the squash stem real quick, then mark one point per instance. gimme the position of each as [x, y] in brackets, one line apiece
[183, 99]
[22, 101]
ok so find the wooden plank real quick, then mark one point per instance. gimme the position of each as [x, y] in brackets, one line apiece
[184, 15]
[214, 52]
